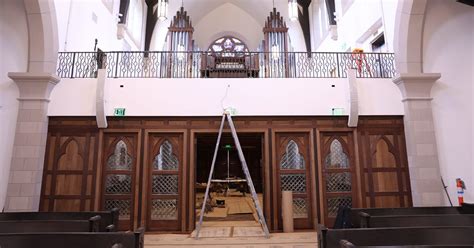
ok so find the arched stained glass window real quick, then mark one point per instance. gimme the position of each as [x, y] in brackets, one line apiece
[336, 157]
[292, 159]
[166, 160]
[228, 46]
[120, 160]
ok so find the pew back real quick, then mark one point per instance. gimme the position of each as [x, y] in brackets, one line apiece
[347, 244]
[107, 217]
[368, 221]
[73, 240]
[329, 238]
[355, 219]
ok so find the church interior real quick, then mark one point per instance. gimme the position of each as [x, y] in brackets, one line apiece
[226, 123]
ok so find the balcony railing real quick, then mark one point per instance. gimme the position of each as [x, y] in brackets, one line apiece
[224, 65]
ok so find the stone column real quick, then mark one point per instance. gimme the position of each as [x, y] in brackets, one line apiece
[26, 171]
[426, 186]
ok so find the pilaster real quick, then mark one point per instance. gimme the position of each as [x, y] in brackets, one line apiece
[420, 136]
[26, 171]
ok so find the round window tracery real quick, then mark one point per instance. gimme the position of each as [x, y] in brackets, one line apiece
[228, 46]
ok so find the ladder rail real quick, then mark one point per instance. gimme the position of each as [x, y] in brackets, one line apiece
[206, 195]
[245, 169]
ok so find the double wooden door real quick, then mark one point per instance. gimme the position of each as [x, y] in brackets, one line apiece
[144, 186]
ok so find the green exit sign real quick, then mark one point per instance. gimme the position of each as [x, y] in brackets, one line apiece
[119, 111]
[338, 111]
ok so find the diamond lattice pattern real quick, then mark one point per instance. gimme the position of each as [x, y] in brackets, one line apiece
[164, 210]
[335, 203]
[300, 209]
[293, 182]
[165, 184]
[118, 184]
[122, 205]
[338, 182]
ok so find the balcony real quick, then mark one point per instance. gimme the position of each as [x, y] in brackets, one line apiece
[225, 65]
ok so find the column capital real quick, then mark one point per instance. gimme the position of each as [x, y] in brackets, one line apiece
[416, 86]
[33, 85]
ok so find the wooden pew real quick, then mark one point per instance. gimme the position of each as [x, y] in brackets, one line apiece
[107, 217]
[355, 218]
[39, 226]
[458, 235]
[368, 221]
[74, 240]
[347, 244]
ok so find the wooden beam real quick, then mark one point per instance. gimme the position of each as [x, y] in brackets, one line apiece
[151, 20]
[303, 18]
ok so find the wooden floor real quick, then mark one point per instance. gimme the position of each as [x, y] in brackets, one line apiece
[232, 238]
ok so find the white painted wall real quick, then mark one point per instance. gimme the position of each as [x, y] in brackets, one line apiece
[448, 48]
[202, 97]
[223, 21]
[82, 21]
[14, 58]
[357, 26]
[241, 18]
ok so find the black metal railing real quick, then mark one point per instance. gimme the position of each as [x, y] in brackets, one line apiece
[225, 65]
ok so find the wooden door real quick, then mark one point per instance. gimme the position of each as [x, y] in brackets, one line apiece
[69, 172]
[119, 178]
[293, 165]
[338, 173]
[385, 170]
[164, 163]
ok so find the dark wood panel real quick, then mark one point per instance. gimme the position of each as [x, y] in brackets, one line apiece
[77, 152]
[293, 164]
[164, 162]
[339, 181]
[69, 155]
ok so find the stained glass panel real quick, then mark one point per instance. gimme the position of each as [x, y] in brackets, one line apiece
[120, 160]
[336, 157]
[166, 160]
[292, 159]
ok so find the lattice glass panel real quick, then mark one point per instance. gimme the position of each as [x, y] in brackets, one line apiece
[300, 208]
[334, 203]
[293, 182]
[166, 160]
[122, 205]
[118, 184]
[165, 184]
[292, 159]
[164, 209]
[120, 160]
[336, 157]
[339, 182]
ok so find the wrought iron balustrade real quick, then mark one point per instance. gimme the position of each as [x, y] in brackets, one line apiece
[225, 65]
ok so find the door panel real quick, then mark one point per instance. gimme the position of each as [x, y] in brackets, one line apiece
[164, 163]
[69, 172]
[293, 174]
[120, 167]
[339, 180]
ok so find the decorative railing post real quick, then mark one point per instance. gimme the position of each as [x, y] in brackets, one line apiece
[73, 63]
[116, 65]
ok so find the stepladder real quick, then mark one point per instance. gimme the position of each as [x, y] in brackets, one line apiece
[245, 169]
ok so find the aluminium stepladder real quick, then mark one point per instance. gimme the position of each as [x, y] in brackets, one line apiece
[245, 169]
